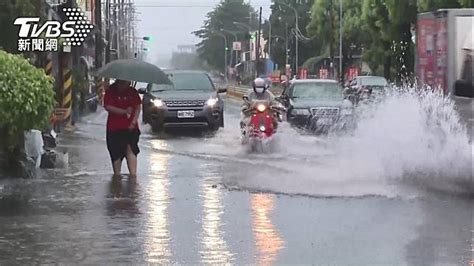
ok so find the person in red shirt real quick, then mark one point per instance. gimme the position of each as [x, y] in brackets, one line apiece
[123, 104]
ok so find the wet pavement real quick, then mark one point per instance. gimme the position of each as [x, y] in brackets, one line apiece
[202, 200]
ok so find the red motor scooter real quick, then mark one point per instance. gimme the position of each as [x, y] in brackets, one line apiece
[261, 127]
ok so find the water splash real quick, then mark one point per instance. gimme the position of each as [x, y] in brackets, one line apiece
[414, 138]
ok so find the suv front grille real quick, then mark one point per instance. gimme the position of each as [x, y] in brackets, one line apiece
[325, 111]
[185, 103]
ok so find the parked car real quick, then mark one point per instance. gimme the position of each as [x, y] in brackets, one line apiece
[317, 105]
[364, 87]
[192, 101]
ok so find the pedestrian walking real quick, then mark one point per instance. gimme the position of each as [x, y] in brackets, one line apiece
[123, 104]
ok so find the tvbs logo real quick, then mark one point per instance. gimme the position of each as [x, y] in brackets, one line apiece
[33, 36]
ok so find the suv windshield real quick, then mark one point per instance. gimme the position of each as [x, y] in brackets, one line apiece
[185, 81]
[191, 81]
[317, 90]
[161, 87]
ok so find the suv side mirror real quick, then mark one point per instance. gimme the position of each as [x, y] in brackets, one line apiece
[222, 90]
[142, 91]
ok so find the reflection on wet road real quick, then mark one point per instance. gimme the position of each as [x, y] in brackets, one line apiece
[181, 210]
[215, 249]
[157, 238]
[267, 238]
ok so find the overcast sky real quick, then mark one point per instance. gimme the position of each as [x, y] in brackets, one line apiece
[170, 22]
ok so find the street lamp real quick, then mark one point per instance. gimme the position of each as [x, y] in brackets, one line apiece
[249, 29]
[234, 33]
[225, 50]
[341, 75]
[297, 29]
[247, 26]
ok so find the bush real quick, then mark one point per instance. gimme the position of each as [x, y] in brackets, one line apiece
[26, 97]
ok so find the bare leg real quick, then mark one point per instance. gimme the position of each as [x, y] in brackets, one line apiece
[131, 162]
[117, 165]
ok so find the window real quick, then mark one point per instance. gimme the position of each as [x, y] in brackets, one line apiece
[318, 90]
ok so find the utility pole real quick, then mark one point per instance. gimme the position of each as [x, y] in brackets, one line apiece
[297, 44]
[341, 75]
[296, 34]
[99, 49]
[107, 31]
[269, 39]
[286, 44]
[258, 42]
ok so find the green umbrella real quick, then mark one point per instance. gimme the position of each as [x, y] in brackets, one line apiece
[134, 70]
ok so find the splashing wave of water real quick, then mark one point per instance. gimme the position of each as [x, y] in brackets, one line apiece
[410, 138]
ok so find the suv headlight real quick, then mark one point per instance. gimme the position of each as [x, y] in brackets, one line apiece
[211, 102]
[157, 102]
[300, 112]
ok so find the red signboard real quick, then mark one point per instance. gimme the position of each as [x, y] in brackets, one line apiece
[323, 73]
[275, 77]
[425, 50]
[441, 53]
[352, 73]
[303, 73]
[432, 52]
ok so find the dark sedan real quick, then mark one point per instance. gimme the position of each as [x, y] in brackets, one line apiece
[192, 101]
[318, 105]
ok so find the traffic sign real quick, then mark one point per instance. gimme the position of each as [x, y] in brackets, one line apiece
[237, 46]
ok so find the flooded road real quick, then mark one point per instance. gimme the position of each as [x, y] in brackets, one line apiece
[204, 200]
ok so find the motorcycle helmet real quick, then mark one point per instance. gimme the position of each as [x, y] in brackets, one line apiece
[259, 85]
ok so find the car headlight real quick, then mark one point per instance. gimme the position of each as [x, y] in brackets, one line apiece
[211, 102]
[157, 102]
[347, 111]
[300, 112]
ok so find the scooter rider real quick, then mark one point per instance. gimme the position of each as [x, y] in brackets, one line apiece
[260, 92]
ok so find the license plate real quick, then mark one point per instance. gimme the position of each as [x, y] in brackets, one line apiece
[324, 121]
[185, 114]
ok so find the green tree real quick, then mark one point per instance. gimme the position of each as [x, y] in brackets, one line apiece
[220, 21]
[325, 19]
[380, 27]
[26, 97]
[283, 23]
[9, 11]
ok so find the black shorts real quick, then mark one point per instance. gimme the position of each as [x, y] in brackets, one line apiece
[117, 142]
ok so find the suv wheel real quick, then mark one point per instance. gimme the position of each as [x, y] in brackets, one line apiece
[221, 120]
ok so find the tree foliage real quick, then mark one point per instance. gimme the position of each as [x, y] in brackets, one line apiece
[9, 11]
[283, 23]
[378, 28]
[325, 24]
[26, 96]
[220, 21]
